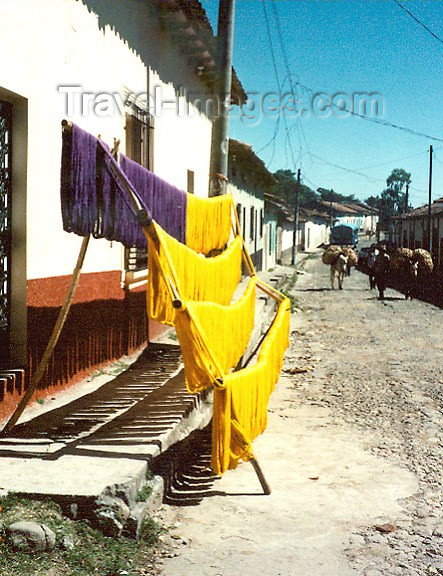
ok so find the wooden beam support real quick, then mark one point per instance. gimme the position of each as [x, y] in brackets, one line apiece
[261, 476]
[52, 341]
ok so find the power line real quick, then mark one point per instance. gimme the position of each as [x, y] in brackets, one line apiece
[277, 76]
[418, 21]
[375, 120]
[300, 130]
[350, 170]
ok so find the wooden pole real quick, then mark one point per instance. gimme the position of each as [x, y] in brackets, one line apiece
[261, 476]
[430, 203]
[52, 341]
[296, 215]
[220, 128]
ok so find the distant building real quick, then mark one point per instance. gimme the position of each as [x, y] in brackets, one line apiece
[249, 181]
[358, 213]
[411, 230]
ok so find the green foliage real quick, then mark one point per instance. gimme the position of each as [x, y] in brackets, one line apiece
[92, 553]
[286, 188]
[144, 493]
[292, 299]
[287, 291]
[392, 200]
[332, 196]
[150, 531]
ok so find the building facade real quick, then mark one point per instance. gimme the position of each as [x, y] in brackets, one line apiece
[141, 73]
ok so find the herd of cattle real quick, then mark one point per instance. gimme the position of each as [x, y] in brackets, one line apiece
[402, 268]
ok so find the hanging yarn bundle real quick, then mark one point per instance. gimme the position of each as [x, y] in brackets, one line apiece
[240, 408]
[214, 337]
[213, 332]
[78, 182]
[166, 203]
[209, 222]
[196, 277]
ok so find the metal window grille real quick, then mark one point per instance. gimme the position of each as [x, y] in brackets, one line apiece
[5, 227]
[137, 148]
[252, 224]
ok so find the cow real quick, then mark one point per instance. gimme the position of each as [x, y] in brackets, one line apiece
[339, 267]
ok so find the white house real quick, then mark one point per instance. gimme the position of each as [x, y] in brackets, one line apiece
[138, 72]
[249, 181]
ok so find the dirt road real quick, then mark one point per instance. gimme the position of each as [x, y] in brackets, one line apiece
[353, 450]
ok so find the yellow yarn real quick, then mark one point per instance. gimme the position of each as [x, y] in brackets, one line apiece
[213, 336]
[208, 222]
[223, 330]
[195, 277]
[240, 408]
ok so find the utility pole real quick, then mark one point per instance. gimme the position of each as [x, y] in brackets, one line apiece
[430, 202]
[218, 176]
[407, 198]
[296, 215]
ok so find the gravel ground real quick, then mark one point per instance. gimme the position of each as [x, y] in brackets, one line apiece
[379, 368]
[353, 450]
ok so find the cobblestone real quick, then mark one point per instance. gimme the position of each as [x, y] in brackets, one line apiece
[380, 370]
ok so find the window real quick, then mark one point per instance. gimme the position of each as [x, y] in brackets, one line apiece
[190, 181]
[139, 149]
[262, 221]
[136, 138]
[239, 214]
[5, 230]
[252, 224]
[243, 223]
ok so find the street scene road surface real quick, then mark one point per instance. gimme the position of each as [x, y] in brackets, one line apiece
[353, 450]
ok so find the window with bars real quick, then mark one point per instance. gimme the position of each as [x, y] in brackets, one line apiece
[239, 214]
[139, 149]
[5, 228]
[252, 224]
[191, 178]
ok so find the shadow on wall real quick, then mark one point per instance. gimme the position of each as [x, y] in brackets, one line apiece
[95, 333]
[143, 25]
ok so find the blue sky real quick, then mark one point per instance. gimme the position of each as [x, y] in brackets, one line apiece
[345, 46]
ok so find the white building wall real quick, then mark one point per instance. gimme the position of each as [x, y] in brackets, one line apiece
[247, 202]
[287, 236]
[53, 43]
[270, 245]
[182, 139]
[315, 235]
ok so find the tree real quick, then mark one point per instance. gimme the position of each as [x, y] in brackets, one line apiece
[393, 196]
[373, 201]
[332, 196]
[286, 188]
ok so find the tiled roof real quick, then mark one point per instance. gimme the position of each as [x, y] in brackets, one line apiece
[243, 155]
[436, 209]
[187, 21]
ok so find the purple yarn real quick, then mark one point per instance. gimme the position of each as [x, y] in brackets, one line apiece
[95, 202]
[78, 178]
[166, 203]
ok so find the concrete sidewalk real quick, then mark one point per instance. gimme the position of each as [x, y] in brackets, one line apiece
[101, 443]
